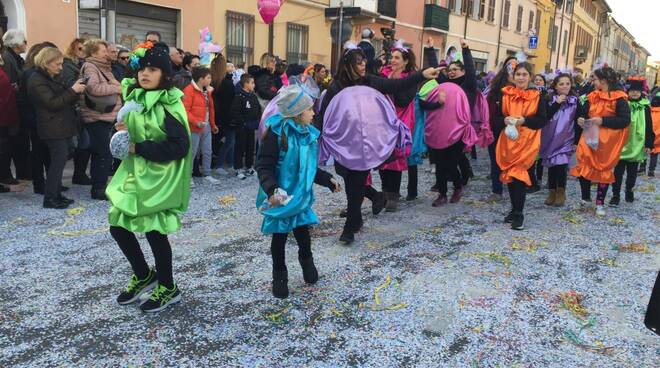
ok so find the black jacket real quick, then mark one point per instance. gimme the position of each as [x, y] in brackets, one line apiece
[13, 65]
[383, 85]
[70, 72]
[468, 82]
[245, 109]
[182, 78]
[267, 158]
[174, 147]
[620, 120]
[25, 108]
[119, 71]
[264, 82]
[223, 96]
[54, 106]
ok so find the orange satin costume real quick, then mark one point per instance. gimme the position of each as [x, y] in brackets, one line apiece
[515, 157]
[598, 166]
[655, 115]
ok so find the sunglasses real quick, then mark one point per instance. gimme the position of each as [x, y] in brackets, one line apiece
[124, 58]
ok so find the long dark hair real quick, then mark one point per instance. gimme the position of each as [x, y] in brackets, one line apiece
[553, 86]
[218, 71]
[347, 74]
[500, 80]
[610, 76]
[409, 56]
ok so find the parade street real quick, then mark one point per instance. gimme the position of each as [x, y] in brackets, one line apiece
[423, 287]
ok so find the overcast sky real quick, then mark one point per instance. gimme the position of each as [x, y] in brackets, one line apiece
[642, 19]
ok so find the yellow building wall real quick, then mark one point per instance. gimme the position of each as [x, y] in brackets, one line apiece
[581, 18]
[543, 53]
[292, 11]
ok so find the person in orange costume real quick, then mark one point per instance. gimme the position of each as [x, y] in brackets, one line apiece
[655, 116]
[606, 107]
[525, 107]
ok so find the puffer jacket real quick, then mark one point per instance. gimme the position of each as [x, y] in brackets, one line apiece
[195, 105]
[54, 105]
[101, 83]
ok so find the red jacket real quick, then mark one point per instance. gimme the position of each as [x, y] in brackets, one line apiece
[195, 104]
[8, 107]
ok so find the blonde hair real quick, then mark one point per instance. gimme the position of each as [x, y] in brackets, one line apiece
[93, 45]
[46, 56]
[71, 50]
[265, 59]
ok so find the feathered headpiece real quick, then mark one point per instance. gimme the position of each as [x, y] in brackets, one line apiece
[399, 46]
[138, 53]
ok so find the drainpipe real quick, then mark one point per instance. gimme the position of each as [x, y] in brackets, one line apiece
[499, 36]
[561, 30]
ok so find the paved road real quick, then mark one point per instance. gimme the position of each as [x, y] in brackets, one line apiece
[423, 287]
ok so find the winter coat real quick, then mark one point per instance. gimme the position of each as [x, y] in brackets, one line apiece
[70, 72]
[264, 80]
[13, 65]
[182, 79]
[101, 83]
[196, 107]
[223, 96]
[245, 110]
[54, 106]
[8, 107]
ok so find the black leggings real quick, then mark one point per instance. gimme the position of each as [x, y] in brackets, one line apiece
[653, 162]
[354, 181]
[160, 246]
[557, 176]
[278, 246]
[464, 167]
[391, 181]
[630, 168]
[601, 192]
[446, 166]
[517, 195]
[536, 173]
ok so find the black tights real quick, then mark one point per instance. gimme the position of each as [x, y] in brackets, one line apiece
[630, 168]
[354, 182]
[447, 163]
[536, 173]
[391, 181]
[278, 246]
[517, 195]
[557, 176]
[585, 188]
[160, 246]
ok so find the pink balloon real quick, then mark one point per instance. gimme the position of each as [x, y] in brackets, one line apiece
[269, 9]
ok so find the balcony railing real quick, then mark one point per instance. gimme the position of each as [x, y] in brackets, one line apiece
[436, 16]
[387, 8]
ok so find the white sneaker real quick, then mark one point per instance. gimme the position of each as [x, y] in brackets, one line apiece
[221, 171]
[600, 210]
[192, 184]
[211, 180]
[433, 170]
[585, 204]
[240, 175]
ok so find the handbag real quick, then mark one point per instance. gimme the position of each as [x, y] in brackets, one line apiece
[102, 104]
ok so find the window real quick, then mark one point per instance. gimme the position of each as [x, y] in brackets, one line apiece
[555, 32]
[538, 22]
[240, 38]
[482, 9]
[451, 5]
[297, 41]
[507, 12]
[491, 10]
[565, 46]
[552, 22]
[466, 7]
[531, 21]
[519, 19]
[569, 6]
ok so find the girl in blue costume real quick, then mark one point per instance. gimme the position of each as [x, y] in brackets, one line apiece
[287, 160]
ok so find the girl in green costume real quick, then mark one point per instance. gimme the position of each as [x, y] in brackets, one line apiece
[639, 143]
[151, 188]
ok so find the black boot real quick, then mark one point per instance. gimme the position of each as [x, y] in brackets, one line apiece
[347, 237]
[55, 203]
[99, 194]
[281, 284]
[630, 196]
[310, 274]
[81, 180]
[378, 204]
[39, 187]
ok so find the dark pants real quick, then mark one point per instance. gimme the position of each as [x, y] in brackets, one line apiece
[355, 188]
[464, 166]
[446, 166]
[391, 180]
[101, 158]
[517, 195]
[244, 148]
[536, 173]
[370, 192]
[557, 176]
[39, 159]
[652, 317]
[628, 167]
[80, 162]
[601, 192]
[160, 246]
[59, 154]
[495, 171]
[278, 247]
[226, 149]
[412, 181]
[17, 149]
[653, 162]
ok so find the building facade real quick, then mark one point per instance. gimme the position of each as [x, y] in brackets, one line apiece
[589, 18]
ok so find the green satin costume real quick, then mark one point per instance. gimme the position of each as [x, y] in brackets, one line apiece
[634, 148]
[145, 195]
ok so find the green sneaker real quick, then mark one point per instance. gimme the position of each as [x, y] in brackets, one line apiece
[136, 287]
[161, 298]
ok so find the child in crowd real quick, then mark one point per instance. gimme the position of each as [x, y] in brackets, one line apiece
[523, 110]
[151, 187]
[640, 140]
[288, 161]
[607, 109]
[558, 135]
[198, 103]
[245, 117]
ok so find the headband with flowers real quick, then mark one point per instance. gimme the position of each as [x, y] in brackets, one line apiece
[138, 53]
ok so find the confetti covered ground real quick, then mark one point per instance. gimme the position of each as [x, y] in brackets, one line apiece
[423, 287]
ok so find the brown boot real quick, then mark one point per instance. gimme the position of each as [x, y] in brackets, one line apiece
[560, 199]
[392, 202]
[552, 195]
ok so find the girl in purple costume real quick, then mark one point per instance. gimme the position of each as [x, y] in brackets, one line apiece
[557, 137]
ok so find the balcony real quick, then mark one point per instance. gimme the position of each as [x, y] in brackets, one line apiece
[436, 16]
[387, 8]
[360, 9]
